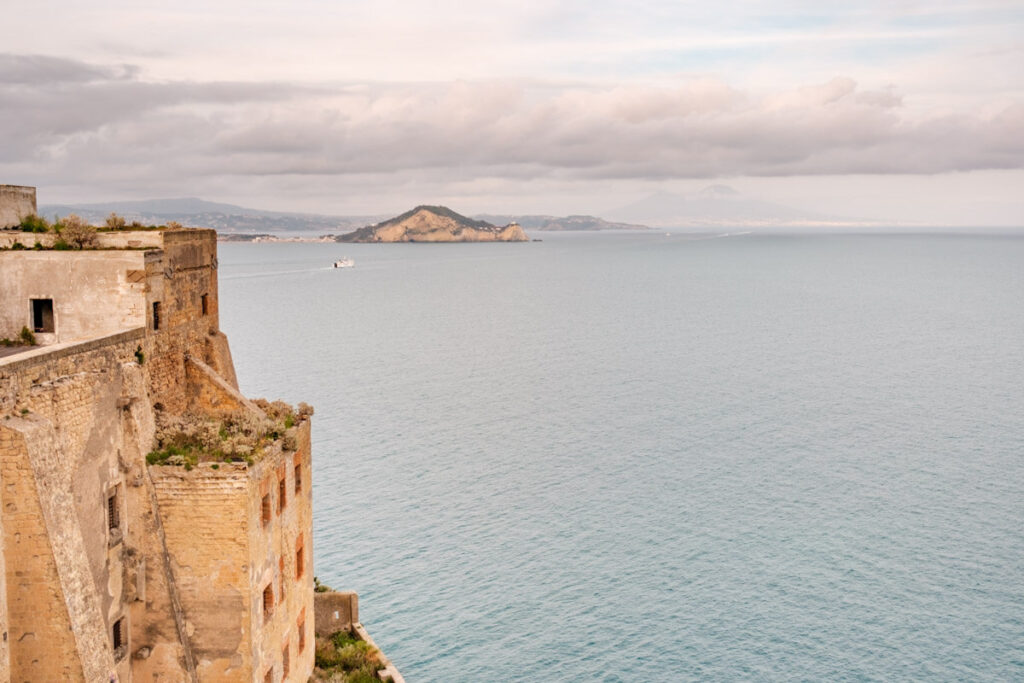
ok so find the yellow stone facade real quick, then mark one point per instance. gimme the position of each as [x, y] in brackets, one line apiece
[112, 569]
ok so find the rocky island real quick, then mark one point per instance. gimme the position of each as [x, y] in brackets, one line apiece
[435, 224]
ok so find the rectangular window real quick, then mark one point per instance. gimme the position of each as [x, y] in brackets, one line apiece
[280, 573]
[300, 559]
[268, 602]
[267, 512]
[284, 661]
[42, 315]
[282, 493]
[204, 301]
[298, 478]
[113, 511]
[301, 628]
[156, 315]
[117, 633]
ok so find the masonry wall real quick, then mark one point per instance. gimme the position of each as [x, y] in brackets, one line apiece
[183, 567]
[225, 555]
[16, 202]
[94, 293]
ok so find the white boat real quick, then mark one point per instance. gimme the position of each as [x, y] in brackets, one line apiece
[344, 263]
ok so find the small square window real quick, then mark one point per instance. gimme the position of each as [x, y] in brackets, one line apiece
[266, 510]
[204, 303]
[300, 559]
[282, 493]
[301, 628]
[156, 315]
[298, 478]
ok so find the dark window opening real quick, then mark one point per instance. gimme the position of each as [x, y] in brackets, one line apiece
[156, 315]
[280, 567]
[298, 479]
[301, 628]
[284, 661]
[268, 601]
[282, 494]
[119, 639]
[266, 509]
[300, 560]
[42, 315]
[113, 513]
[205, 302]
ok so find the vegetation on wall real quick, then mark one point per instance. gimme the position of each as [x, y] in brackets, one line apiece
[343, 658]
[186, 440]
[26, 338]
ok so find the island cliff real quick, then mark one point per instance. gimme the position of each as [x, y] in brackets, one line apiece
[435, 224]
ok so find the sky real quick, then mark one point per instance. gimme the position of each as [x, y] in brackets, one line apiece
[910, 112]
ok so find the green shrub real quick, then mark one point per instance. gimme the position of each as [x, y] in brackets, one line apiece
[17, 246]
[34, 223]
[62, 245]
[27, 338]
[140, 357]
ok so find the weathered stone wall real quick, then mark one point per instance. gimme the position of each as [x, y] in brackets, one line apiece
[94, 293]
[274, 548]
[185, 565]
[61, 456]
[117, 239]
[16, 202]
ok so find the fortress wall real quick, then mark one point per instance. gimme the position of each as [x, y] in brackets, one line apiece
[273, 551]
[117, 239]
[59, 480]
[224, 555]
[204, 514]
[16, 202]
[96, 393]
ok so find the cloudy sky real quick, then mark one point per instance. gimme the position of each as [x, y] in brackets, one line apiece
[903, 111]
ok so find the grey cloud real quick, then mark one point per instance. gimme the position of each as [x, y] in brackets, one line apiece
[42, 69]
[126, 130]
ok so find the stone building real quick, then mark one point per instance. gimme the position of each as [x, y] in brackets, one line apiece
[16, 202]
[112, 566]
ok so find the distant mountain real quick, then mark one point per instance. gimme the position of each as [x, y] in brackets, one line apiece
[540, 222]
[190, 211]
[435, 224]
[720, 206]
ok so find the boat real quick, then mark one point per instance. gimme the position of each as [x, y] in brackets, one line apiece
[344, 263]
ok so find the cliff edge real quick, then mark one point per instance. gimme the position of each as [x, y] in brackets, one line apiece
[435, 224]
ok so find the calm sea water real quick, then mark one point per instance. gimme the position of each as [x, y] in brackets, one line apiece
[622, 457]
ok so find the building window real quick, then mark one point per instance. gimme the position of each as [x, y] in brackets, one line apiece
[113, 511]
[267, 512]
[268, 601]
[282, 493]
[204, 302]
[280, 573]
[42, 315]
[298, 478]
[284, 661]
[156, 315]
[300, 559]
[300, 626]
[118, 639]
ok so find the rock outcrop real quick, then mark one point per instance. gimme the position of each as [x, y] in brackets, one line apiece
[435, 224]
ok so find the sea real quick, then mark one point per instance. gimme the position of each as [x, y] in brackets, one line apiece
[644, 456]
